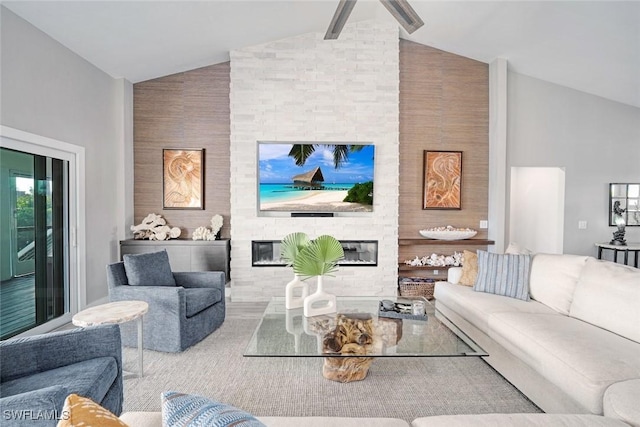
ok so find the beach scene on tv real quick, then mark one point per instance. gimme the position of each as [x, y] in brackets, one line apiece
[315, 177]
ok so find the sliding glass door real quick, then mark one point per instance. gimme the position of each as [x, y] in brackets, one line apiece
[34, 228]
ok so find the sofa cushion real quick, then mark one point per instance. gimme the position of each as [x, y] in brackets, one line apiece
[517, 420]
[469, 269]
[90, 378]
[142, 419]
[608, 296]
[506, 274]
[154, 419]
[621, 402]
[81, 411]
[515, 248]
[198, 299]
[477, 307]
[332, 421]
[580, 359]
[149, 269]
[554, 278]
[186, 410]
[44, 399]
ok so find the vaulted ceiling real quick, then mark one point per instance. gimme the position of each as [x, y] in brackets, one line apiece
[589, 46]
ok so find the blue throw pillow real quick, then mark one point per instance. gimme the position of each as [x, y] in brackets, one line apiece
[186, 410]
[149, 269]
[506, 275]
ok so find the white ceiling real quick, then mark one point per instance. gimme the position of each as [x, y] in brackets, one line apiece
[590, 46]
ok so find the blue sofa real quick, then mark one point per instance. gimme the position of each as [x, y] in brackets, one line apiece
[37, 373]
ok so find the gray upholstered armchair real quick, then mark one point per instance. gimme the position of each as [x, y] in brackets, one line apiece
[37, 373]
[179, 315]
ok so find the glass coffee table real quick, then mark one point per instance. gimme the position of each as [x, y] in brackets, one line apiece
[358, 332]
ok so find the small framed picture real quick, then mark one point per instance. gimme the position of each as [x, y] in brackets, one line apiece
[183, 178]
[442, 180]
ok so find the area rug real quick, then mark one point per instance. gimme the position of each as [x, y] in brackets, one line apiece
[404, 388]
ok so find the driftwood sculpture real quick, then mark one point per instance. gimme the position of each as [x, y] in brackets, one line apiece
[357, 334]
[154, 227]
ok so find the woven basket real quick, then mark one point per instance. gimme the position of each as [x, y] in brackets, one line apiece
[416, 289]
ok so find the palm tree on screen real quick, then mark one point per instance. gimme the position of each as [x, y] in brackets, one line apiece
[301, 152]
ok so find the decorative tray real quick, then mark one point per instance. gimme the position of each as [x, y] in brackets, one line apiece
[399, 314]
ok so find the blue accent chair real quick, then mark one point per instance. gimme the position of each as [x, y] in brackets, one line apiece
[179, 316]
[37, 373]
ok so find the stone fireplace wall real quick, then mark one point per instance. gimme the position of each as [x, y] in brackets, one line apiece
[308, 89]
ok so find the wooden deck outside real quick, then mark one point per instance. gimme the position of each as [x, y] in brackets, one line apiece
[17, 305]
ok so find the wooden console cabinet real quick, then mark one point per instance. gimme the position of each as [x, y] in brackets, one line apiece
[186, 255]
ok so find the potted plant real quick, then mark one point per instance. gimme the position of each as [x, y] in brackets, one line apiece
[290, 247]
[316, 259]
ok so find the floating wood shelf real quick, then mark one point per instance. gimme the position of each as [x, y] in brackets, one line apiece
[466, 242]
[405, 267]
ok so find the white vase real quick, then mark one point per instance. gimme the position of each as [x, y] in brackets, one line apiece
[294, 324]
[292, 300]
[319, 302]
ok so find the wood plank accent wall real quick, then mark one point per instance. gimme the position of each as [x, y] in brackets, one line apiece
[184, 110]
[444, 105]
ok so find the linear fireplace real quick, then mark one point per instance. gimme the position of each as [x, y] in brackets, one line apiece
[360, 253]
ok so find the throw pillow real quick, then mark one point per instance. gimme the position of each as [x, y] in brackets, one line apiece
[149, 269]
[506, 274]
[516, 249]
[81, 411]
[185, 410]
[469, 268]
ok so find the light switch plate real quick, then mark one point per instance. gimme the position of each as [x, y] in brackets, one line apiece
[582, 225]
[484, 224]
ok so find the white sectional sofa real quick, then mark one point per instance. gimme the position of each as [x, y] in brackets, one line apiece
[574, 347]
[154, 419]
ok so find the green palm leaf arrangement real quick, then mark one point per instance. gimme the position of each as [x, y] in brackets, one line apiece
[320, 257]
[291, 246]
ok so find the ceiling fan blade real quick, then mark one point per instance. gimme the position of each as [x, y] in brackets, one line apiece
[339, 19]
[404, 14]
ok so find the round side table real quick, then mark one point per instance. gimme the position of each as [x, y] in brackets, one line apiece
[115, 312]
[629, 247]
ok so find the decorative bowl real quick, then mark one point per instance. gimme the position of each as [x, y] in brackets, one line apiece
[448, 233]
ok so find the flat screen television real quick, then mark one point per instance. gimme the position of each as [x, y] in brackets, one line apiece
[315, 177]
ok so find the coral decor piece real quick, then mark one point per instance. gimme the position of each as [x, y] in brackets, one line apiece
[154, 227]
[435, 260]
[203, 233]
[216, 225]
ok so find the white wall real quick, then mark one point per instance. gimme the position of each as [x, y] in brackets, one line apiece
[50, 91]
[537, 209]
[595, 140]
[307, 89]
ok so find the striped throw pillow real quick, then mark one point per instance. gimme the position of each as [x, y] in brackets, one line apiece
[187, 410]
[506, 274]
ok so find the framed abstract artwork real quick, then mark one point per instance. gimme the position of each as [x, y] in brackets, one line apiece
[182, 178]
[442, 180]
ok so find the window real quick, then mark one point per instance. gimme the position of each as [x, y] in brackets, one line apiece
[41, 262]
[627, 198]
